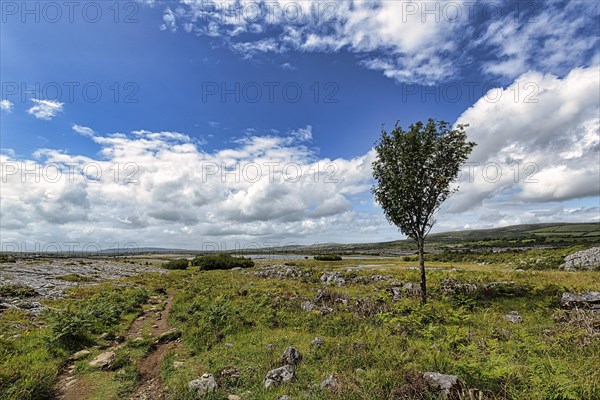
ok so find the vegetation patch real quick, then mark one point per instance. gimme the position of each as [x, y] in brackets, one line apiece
[17, 290]
[221, 261]
[75, 278]
[328, 257]
[176, 264]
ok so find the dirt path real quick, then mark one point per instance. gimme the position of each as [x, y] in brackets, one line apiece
[150, 386]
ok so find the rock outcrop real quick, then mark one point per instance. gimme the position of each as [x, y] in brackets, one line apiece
[588, 259]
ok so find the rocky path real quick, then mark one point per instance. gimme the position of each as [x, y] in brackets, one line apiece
[150, 386]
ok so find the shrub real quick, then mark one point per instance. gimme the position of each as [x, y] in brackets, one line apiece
[182, 263]
[221, 261]
[328, 257]
[17, 290]
[75, 278]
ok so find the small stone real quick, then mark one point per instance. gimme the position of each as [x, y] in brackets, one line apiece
[168, 336]
[70, 383]
[233, 396]
[330, 383]
[513, 317]
[103, 360]
[317, 342]
[291, 356]
[231, 372]
[205, 384]
[448, 385]
[229, 345]
[279, 376]
[80, 354]
[178, 364]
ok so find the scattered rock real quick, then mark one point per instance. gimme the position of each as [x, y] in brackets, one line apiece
[281, 272]
[279, 376]
[291, 356]
[231, 372]
[317, 342]
[448, 385]
[103, 361]
[333, 278]
[513, 317]
[205, 384]
[285, 397]
[330, 383]
[178, 364]
[585, 300]
[371, 279]
[233, 396]
[309, 306]
[168, 336]
[80, 355]
[406, 290]
[588, 259]
[450, 285]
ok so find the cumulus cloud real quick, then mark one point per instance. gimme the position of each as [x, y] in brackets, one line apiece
[6, 105]
[541, 146]
[170, 191]
[45, 109]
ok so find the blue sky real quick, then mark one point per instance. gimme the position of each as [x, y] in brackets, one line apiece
[523, 74]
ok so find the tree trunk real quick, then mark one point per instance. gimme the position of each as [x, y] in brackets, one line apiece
[421, 245]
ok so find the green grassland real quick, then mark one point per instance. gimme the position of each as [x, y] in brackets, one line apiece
[376, 347]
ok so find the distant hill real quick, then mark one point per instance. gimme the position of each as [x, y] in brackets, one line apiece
[547, 234]
[526, 235]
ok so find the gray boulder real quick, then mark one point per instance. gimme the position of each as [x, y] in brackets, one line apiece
[513, 317]
[448, 385]
[330, 383]
[585, 300]
[291, 356]
[279, 376]
[588, 259]
[205, 384]
[103, 361]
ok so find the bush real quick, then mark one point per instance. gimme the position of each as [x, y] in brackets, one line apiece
[17, 290]
[221, 261]
[328, 257]
[182, 263]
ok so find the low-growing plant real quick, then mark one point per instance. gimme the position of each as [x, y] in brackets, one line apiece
[328, 257]
[221, 261]
[75, 278]
[181, 263]
[17, 290]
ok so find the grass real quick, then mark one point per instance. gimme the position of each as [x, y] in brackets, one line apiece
[376, 347]
[17, 290]
[75, 278]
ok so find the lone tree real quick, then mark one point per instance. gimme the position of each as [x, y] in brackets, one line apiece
[414, 170]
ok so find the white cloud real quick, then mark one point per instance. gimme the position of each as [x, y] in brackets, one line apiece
[45, 109]
[416, 42]
[547, 148]
[169, 21]
[6, 105]
[525, 41]
[84, 130]
[264, 189]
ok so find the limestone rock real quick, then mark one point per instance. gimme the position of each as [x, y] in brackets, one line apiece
[205, 384]
[279, 376]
